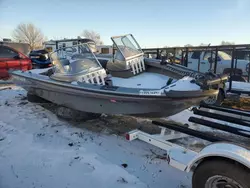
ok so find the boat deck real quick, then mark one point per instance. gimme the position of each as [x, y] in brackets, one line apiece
[143, 80]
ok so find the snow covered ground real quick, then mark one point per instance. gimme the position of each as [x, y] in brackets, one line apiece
[39, 150]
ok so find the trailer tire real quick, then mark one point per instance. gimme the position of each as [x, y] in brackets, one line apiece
[221, 171]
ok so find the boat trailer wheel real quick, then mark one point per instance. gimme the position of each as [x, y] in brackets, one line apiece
[220, 173]
[218, 181]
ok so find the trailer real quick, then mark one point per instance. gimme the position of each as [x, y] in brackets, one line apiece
[105, 49]
[224, 163]
[53, 45]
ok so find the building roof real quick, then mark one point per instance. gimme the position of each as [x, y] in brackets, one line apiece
[11, 42]
[69, 40]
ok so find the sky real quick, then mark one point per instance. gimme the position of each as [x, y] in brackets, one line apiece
[154, 23]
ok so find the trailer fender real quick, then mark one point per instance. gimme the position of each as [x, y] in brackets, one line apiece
[223, 150]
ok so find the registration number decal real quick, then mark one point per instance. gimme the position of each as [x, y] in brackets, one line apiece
[150, 92]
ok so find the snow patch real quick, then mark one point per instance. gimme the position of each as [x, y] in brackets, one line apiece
[39, 150]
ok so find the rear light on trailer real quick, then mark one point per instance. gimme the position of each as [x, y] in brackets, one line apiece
[30, 66]
[127, 136]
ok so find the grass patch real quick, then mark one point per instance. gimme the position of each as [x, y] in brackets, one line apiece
[241, 103]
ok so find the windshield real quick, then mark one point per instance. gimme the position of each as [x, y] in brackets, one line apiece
[127, 45]
[75, 59]
[224, 55]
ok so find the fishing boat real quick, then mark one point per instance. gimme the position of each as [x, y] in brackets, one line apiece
[125, 83]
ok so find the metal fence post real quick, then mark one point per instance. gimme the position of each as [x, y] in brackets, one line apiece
[182, 57]
[158, 53]
[248, 71]
[231, 70]
[174, 55]
[216, 60]
[186, 59]
[199, 63]
[236, 61]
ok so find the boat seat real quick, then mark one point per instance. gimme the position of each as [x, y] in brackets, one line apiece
[81, 64]
[120, 67]
[103, 62]
[61, 65]
[64, 62]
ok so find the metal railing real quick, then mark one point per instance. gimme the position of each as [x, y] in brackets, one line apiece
[181, 55]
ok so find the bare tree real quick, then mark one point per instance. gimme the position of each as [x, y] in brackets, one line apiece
[227, 43]
[92, 35]
[202, 44]
[188, 45]
[30, 34]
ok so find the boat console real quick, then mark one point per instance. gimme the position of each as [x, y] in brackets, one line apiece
[128, 59]
[77, 63]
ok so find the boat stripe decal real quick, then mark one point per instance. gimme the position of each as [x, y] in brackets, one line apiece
[97, 78]
[137, 67]
[102, 78]
[140, 66]
[133, 68]
[91, 78]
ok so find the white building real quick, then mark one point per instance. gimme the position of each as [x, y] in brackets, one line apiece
[53, 45]
[104, 49]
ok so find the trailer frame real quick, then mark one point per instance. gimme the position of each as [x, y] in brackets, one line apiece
[188, 160]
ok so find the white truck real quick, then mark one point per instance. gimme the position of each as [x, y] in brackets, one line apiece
[207, 61]
[204, 61]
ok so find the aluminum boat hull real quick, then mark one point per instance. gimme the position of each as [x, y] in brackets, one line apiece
[106, 101]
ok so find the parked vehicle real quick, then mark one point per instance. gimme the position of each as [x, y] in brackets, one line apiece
[53, 45]
[126, 83]
[207, 60]
[242, 54]
[12, 59]
[19, 46]
[40, 58]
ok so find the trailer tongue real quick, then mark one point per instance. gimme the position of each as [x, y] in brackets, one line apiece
[224, 163]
